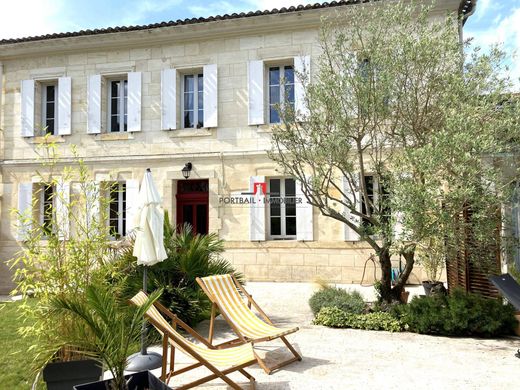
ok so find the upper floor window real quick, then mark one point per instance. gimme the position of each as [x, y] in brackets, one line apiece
[118, 105]
[281, 90]
[282, 208]
[49, 108]
[117, 210]
[193, 101]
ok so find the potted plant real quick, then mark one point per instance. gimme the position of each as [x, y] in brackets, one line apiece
[57, 262]
[107, 329]
[431, 255]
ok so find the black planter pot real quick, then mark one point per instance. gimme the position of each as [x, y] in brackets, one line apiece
[64, 375]
[431, 288]
[143, 380]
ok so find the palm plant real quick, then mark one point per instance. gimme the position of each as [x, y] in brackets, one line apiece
[104, 326]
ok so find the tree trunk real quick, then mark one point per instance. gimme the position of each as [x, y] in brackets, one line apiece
[389, 293]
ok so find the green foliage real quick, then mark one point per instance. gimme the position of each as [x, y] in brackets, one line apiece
[54, 261]
[189, 256]
[106, 327]
[349, 302]
[337, 318]
[458, 314]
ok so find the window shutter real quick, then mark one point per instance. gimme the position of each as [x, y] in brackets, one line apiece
[168, 99]
[25, 208]
[302, 67]
[64, 105]
[210, 95]
[62, 201]
[132, 193]
[27, 109]
[350, 234]
[134, 101]
[94, 104]
[257, 211]
[304, 220]
[255, 71]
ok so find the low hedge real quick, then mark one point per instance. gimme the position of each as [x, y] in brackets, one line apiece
[458, 314]
[350, 302]
[334, 317]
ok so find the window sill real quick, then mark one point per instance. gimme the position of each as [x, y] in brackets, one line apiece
[268, 128]
[119, 136]
[47, 139]
[183, 133]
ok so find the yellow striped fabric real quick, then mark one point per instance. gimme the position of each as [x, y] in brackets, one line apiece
[229, 357]
[224, 291]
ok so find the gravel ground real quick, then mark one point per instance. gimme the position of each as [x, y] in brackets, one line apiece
[348, 358]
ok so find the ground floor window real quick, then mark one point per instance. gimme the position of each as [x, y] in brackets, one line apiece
[117, 209]
[46, 200]
[282, 208]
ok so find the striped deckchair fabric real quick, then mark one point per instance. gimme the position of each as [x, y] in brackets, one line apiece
[229, 296]
[223, 288]
[232, 359]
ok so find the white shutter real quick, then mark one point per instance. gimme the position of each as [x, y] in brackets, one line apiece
[134, 101]
[132, 193]
[27, 109]
[64, 105]
[302, 66]
[350, 234]
[255, 70]
[62, 201]
[257, 211]
[168, 99]
[210, 95]
[94, 104]
[304, 221]
[25, 209]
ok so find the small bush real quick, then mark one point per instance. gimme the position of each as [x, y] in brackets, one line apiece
[349, 302]
[458, 314]
[337, 318]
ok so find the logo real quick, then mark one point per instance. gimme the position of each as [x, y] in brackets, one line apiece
[259, 189]
[259, 197]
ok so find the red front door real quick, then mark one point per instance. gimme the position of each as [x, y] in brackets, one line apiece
[192, 204]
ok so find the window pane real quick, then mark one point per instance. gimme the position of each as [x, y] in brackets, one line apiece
[188, 119]
[274, 187]
[188, 101]
[188, 83]
[290, 226]
[187, 214]
[50, 93]
[289, 93]
[290, 187]
[49, 126]
[200, 82]
[276, 226]
[274, 76]
[114, 109]
[114, 85]
[290, 207]
[274, 95]
[200, 119]
[202, 219]
[274, 117]
[289, 75]
[200, 100]
[114, 123]
[274, 205]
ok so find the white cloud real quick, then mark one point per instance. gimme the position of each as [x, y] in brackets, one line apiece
[136, 12]
[30, 17]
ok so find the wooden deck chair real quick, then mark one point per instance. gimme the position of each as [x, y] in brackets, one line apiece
[224, 292]
[220, 362]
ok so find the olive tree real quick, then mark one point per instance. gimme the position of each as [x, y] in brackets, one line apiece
[395, 95]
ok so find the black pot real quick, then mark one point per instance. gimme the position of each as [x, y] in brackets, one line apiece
[433, 287]
[143, 380]
[64, 375]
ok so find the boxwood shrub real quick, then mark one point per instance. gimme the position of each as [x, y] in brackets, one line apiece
[458, 314]
[349, 302]
[337, 318]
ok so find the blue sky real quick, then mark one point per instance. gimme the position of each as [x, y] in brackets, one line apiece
[496, 21]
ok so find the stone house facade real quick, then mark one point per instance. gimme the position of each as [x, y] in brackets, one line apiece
[198, 91]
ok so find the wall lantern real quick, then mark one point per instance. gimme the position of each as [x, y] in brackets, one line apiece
[186, 170]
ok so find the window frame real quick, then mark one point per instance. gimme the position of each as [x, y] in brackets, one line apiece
[122, 104]
[44, 96]
[281, 88]
[283, 215]
[196, 110]
[121, 209]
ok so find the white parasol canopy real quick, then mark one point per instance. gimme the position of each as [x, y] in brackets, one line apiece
[149, 240]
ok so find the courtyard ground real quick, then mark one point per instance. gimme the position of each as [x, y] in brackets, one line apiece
[357, 359]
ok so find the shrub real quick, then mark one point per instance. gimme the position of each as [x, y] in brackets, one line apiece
[458, 314]
[189, 256]
[337, 318]
[349, 302]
